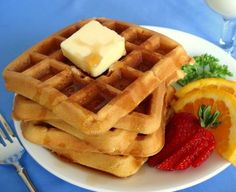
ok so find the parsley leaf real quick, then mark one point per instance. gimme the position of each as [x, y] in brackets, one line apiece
[205, 66]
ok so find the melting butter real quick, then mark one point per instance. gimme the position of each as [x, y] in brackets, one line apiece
[94, 48]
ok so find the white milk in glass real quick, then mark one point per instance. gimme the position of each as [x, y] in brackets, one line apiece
[226, 8]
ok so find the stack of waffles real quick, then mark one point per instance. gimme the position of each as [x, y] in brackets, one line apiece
[112, 123]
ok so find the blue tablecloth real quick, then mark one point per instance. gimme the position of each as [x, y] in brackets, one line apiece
[25, 22]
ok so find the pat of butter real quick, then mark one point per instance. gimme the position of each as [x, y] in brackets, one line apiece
[93, 48]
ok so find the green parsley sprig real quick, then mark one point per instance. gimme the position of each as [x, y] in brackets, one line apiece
[205, 66]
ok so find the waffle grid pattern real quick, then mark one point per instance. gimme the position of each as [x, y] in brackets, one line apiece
[95, 103]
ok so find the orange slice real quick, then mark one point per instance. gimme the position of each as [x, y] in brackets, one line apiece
[225, 103]
[217, 83]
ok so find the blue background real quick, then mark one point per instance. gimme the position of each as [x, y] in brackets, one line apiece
[25, 22]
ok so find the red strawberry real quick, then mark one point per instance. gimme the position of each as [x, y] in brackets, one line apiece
[200, 143]
[184, 154]
[179, 129]
[187, 144]
[204, 154]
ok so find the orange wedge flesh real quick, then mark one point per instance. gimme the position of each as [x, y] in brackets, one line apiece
[217, 83]
[225, 103]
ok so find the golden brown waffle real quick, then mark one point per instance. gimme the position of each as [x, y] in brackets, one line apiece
[44, 75]
[145, 118]
[114, 141]
[80, 152]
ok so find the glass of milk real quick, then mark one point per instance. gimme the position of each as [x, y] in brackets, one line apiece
[227, 8]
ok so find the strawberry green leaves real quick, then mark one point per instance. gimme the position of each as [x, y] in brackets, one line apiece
[207, 118]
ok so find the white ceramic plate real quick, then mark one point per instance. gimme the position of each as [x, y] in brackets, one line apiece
[147, 179]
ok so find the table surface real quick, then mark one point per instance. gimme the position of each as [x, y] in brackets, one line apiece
[24, 23]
